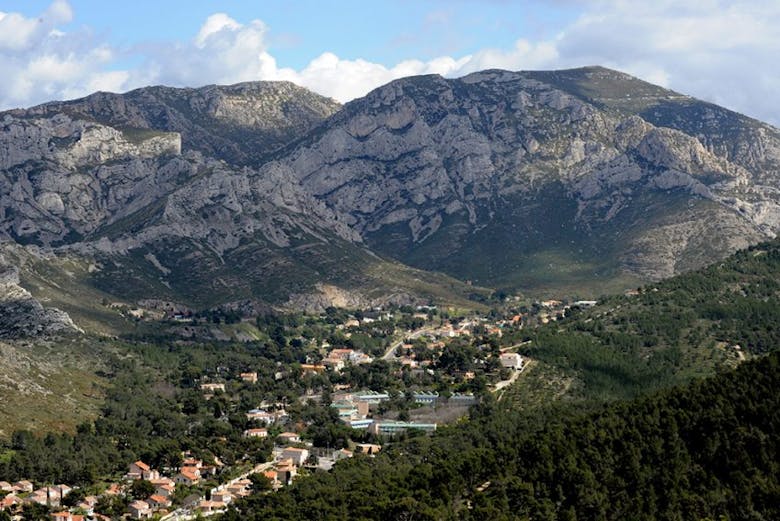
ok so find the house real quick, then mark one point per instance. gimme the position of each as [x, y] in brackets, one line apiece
[212, 387]
[157, 501]
[340, 354]
[289, 437]
[66, 516]
[249, 377]
[367, 448]
[140, 470]
[139, 510]
[9, 501]
[298, 456]
[114, 489]
[6, 486]
[271, 475]
[223, 496]
[239, 488]
[359, 358]
[46, 496]
[88, 504]
[362, 424]
[335, 364]
[261, 416]
[63, 490]
[285, 472]
[207, 506]
[256, 433]
[188, 477]
[394, 427]
[23, 486]
[192, 462]
[312, 368]
[165, 489]
[371, 397]
[426, 398]
[512, 360]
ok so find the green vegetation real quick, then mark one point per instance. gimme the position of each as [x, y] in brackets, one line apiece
[701, 452]
[49, 387]
[688, 326]
[137, 136]
[659, 405]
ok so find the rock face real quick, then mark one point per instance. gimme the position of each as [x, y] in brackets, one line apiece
[22, 316]
[435, 171]
[240, 123]
[267, 192]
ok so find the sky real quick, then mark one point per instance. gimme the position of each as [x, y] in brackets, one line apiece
[726, 52]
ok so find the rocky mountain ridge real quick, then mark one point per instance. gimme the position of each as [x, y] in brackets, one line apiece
[425, 155]
[265, 191]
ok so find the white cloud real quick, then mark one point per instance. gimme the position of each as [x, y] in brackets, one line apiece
[39, 62]
[719, 50]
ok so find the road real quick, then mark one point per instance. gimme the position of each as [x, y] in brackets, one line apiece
[390, 353]
[504, 384]
[182, 514]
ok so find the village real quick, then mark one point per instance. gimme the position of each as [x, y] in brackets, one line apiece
[441, 366]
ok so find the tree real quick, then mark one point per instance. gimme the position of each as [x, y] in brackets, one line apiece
[260, 483]
[141, 489]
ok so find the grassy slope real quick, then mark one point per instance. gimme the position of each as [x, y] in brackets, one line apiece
[535, 244]
[49, 386]
[200, 277]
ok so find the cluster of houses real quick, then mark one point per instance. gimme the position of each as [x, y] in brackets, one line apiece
[191, 472]
[23, 492]
[556, 310]
[266, 417]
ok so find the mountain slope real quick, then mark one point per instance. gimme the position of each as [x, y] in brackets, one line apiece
[133, 186]
[239, 123]
[580, 181]
[589, 171]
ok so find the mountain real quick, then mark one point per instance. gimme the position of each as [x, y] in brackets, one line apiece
[239, 123]
[149, 194]
[540, 179]
[579, 181]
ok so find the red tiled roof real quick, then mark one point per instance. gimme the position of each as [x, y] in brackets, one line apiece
[143, 466]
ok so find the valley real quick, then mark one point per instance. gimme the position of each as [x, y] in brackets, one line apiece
[509, 295]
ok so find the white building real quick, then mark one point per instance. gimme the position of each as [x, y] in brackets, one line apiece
[512, 360]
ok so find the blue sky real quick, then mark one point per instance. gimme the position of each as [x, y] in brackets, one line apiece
[384, 31]
[719, 50]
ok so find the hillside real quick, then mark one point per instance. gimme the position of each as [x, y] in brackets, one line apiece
[576, 182]
[544, 180]
[687, 326]
[700, 452]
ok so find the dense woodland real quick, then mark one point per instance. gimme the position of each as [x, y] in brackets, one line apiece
[685, 327]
